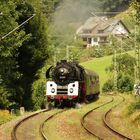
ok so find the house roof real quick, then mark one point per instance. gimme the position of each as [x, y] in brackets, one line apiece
[90, 23]
[99, 26]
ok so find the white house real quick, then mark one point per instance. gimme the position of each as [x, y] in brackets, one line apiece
[96, 30]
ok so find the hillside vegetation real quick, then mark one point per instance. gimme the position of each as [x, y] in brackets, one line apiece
[100, 65]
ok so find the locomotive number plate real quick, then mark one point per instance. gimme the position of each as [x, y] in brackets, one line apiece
[62, 87]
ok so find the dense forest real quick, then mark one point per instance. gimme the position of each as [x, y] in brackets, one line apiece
[26, 52]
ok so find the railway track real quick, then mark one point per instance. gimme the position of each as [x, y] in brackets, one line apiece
[44, 136]
[83, 119]
[105, 124]
[108, 124]
[104, 116]
[40, 129]
[14, 131]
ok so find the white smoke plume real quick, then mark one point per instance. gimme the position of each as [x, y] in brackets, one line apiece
[75, 11]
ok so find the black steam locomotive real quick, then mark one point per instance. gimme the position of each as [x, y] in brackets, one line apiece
[70, 84]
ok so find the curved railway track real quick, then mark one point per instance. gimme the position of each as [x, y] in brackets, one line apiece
[104, 120]
[108, 124]
[83, 119]
[14, 131]
[42, 125]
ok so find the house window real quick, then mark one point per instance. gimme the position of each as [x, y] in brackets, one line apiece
[95, 39]
[89, 40]
[84, 39]
[103, 39]
[100, 31]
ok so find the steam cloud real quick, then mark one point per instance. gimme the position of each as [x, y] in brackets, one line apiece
[75, 11]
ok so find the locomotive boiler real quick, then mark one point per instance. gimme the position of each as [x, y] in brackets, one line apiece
[69, 83]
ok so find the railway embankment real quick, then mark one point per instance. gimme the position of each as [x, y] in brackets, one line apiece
[125, 122]
[68, 125]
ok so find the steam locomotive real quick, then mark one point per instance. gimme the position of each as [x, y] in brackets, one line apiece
[70, 84]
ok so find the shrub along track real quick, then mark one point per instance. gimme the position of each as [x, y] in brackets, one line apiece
[27, 128]
[96, 123]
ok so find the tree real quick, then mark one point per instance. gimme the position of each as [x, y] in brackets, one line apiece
[111, 5]
[23, 52]
[9, 46]
[34, 51]
[136, 6]
[125, 64]
[49, 7]
[125, 74]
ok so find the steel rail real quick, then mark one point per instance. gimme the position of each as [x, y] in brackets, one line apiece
[82, 120]
[109, 126]
[13, 133]
[42, 125]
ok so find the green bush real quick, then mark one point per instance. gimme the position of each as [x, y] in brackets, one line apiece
[125, 74]
[5, 96]
[38, 94]
[125, 83]
[39, 90]
[95, 51]
[108, 86]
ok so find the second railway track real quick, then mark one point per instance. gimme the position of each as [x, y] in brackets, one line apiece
[102, 130]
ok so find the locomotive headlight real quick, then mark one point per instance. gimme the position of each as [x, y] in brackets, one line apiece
[53, 90]
[71, 90]
[62, 70]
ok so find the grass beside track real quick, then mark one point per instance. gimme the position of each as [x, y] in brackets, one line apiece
[121, 119]
[5, 116]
